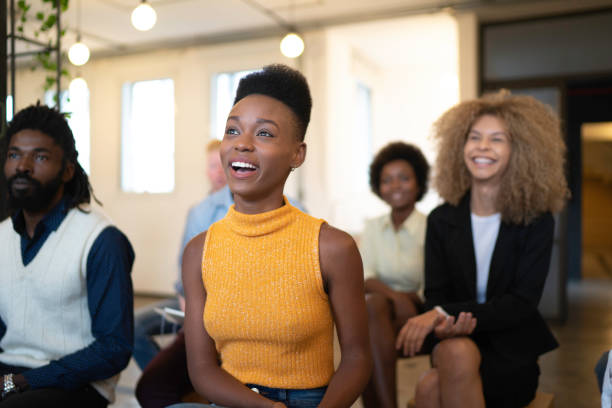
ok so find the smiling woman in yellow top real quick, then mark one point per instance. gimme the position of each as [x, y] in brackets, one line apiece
[265, 285]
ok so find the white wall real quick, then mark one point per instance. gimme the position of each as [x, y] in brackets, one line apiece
[154, 222]
[411, 65]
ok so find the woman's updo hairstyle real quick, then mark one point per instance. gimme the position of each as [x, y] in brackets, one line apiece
[285, 84]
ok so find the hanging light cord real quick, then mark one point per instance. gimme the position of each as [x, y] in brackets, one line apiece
[292, 12]
[270, 13]
[78, 20]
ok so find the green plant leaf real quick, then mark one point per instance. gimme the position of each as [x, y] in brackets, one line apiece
[47, 21]
[50, 21]
[49, 82]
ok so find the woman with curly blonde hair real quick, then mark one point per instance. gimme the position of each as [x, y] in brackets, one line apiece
[487, 252]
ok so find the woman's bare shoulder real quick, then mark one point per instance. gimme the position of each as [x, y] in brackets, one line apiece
[335, 246]
[195, 246]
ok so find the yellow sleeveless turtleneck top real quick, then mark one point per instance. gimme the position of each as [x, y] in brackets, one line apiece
[266, 308]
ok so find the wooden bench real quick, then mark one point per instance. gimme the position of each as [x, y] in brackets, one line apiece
[541, 400]
[194, 397]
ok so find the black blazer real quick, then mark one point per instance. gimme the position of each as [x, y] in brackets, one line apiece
[509, 320]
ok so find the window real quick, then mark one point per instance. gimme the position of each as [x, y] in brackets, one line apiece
[362, 131]
[75, 102]
[147, 137]
[223, 93]
[9, 108]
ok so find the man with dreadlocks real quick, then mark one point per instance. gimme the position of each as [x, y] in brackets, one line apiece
[66, 322]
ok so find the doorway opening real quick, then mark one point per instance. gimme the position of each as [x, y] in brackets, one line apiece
[589, 131]
[597, 200]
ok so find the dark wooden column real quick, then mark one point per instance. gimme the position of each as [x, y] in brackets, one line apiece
[3, 93]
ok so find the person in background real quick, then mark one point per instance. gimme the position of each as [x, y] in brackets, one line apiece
[392, 249]
[66, 300]
[265, 285]
[214, 170]
[603, 373]
[500, 170]
[148, 323]
[164, 380]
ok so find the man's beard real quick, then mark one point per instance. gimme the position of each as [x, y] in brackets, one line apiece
[37, 197]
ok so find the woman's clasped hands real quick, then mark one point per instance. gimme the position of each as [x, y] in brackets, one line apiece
[412, 335]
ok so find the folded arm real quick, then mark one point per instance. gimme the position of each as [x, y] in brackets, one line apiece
[517, 304]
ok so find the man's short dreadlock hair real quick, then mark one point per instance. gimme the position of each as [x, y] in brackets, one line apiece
[53, 124]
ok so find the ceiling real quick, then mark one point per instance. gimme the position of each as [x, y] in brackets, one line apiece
[105, 24]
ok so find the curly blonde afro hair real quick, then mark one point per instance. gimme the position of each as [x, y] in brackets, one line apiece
[534, 182]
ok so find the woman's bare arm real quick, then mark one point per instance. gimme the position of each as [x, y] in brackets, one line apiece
[207, 377]
[343, 273]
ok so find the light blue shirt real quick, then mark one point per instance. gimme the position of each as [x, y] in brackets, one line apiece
[202, 215]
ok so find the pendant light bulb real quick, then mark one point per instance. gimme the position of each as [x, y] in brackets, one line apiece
[292, 45]
[78, 54]
[77, 84]
[144, 17]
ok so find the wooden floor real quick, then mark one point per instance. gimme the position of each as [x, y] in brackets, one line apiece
[566, 372]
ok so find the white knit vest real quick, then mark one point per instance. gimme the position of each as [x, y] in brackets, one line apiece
[44, 304]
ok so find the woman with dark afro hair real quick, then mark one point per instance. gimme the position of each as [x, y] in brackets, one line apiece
[392, 252]
[265, 285]
[487, 252]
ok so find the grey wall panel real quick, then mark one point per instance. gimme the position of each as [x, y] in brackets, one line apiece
[548, 47]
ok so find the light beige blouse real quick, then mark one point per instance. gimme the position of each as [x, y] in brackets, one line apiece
[396, 258]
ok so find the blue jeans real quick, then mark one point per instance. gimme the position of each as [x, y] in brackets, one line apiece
[148, 323]
[309, 398]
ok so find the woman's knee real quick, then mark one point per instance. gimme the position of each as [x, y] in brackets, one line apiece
[460, 355]
[377, 305]
[428, 386]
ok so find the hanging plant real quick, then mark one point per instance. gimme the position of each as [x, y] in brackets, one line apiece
[44, 22]
[46, 18]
